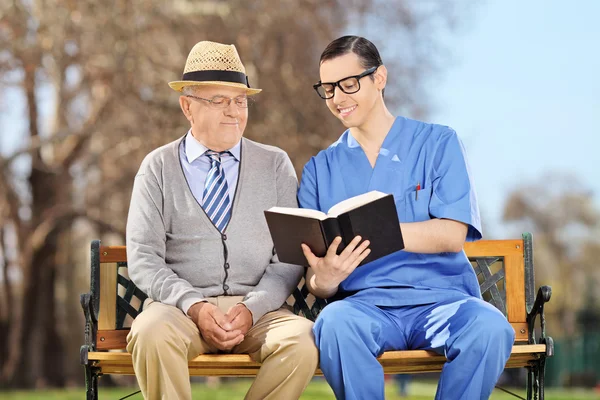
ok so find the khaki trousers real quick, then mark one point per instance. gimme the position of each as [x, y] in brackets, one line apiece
[162, 340]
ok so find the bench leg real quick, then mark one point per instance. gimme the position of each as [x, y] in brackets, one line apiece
[91, 383]
[541, 373]
[532, 382]
[536, 381]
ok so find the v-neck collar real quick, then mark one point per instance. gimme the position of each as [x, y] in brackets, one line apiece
[235, 195]
[384, 151]
[387, 153]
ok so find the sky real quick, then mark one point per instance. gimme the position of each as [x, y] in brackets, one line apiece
[522, 89]
[523, 93]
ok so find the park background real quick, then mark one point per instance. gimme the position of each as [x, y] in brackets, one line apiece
[83, 97]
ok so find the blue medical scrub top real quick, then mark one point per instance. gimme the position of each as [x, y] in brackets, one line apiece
[413, 153]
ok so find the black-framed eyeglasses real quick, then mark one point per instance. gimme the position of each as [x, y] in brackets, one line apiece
[220, 102]
[348, 85]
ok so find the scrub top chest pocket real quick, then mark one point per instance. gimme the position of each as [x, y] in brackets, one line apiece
[416, 204]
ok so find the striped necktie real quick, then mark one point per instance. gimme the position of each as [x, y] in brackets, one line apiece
[215, 199]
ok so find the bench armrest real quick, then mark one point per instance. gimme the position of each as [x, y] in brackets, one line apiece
[543, 296]
[91, 322]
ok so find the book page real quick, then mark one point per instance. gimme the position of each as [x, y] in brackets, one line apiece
[354, 202]
[301, 212]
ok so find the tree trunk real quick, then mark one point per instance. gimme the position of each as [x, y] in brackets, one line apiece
[6, 310]
[41, 356]
[70, 320]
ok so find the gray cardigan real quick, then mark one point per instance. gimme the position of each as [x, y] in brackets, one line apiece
[178, 257]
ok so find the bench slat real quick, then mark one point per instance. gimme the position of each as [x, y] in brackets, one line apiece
[514, 267]
[494, 248]
[412, 361]
[405, 369]
[107, 315]
[235, 359]
[113, 254]
[111, 339]
[520, 331]
[481, 248]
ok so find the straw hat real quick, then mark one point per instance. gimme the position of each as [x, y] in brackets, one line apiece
[211, 63]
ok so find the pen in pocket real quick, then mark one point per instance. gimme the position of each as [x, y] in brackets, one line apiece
[417, 191]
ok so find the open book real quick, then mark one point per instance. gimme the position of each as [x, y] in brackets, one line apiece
[371, 215]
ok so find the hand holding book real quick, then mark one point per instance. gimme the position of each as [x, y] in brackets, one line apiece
[332, 269]
[372, 215]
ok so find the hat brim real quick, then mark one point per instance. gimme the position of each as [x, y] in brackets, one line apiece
[179, 85]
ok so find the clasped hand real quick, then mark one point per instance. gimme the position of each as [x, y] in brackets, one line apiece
[331, 270]
[224, 331]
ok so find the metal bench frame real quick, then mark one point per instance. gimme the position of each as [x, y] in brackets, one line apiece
[505, 272]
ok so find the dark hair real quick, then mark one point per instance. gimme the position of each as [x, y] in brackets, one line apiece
[366, 51]
[363, 48]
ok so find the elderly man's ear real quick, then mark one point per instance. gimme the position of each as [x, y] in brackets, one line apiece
[184, 103]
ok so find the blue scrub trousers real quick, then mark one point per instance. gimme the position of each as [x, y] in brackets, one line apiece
[475, 337]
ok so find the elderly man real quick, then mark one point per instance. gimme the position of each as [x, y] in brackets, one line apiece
[198, 244]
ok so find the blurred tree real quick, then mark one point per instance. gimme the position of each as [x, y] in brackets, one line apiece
[565, 222]
[91, 78]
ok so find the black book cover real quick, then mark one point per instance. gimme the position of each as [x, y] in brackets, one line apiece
[376, 221]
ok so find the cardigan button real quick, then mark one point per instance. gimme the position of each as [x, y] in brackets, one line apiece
[226, 265]
[225, 287]
[224, 237]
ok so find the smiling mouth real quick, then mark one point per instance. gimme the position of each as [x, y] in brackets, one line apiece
[347, 110]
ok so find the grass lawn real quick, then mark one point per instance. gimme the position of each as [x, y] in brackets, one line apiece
[317, 390]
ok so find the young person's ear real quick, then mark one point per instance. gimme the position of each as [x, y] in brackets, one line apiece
[381, 77]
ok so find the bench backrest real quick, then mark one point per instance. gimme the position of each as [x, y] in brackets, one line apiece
[504, 269]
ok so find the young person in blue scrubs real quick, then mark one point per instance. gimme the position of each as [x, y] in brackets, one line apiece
[425, 296]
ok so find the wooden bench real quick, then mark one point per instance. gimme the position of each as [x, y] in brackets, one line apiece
[504, 269]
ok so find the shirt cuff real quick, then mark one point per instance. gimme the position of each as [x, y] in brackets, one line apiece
[188, 301]
[257, 306]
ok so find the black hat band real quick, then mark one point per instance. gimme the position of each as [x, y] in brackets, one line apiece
[220, 76]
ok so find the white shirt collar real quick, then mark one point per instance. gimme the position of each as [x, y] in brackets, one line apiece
[195, 149]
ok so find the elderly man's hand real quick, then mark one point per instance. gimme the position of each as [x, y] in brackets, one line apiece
[215, 327]
[240, 318]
